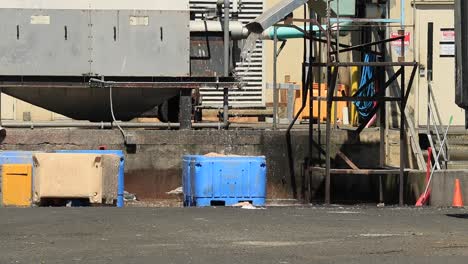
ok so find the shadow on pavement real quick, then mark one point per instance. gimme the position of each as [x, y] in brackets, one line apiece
[462, 216]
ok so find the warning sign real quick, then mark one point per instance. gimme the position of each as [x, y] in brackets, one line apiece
[397, 43]
[448, 35]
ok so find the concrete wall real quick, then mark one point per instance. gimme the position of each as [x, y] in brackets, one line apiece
[154, 167]
[444, 184]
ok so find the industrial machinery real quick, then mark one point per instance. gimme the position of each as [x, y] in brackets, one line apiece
[84, 58]
[104, 60]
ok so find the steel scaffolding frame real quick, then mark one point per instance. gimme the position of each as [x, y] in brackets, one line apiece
[331, 42]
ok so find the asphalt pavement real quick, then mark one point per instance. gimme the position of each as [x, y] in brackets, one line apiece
[232, 235]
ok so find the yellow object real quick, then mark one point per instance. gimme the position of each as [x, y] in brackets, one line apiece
[354, 88]
[323, 106]
[16, 184]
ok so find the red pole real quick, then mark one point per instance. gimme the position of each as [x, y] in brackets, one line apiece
[424, 197]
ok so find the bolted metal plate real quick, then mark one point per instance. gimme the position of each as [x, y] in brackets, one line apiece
[49, 42]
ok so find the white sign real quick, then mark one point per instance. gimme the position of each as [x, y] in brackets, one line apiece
[447, 49]
[40, 20]
[139, 20]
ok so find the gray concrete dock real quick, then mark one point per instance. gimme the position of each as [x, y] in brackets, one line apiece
[232, 235]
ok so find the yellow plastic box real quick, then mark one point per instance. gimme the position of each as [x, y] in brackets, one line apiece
[17, 184]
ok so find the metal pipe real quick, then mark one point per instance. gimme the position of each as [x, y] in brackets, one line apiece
[366, 20]
[413, 5]
[235, 6]
[312, 53]
[275, 81]
[104, 125]
[226, 63]
[32, 125]
[402, 11]
[236, 28]
[289, 32]
[432, 3]
[319, 102]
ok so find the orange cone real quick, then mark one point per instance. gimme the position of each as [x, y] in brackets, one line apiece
[457, 195]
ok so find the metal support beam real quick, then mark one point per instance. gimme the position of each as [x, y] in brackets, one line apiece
[360, 63]
[383, 171]
[376, 108]
[348, 161]
[275, 81]
[356, 99]
[402, 140]
[311, 95]
[369, 82]
[185, 106]
[403, 152]
[358, 47]
[410, 83]
[331, 89]
[311, 91]
[382, 125]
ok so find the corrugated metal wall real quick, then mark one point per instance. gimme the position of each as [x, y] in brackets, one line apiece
[252, 95]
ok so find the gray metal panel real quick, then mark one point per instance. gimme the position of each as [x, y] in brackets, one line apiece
[206, 54]
[41, 48]
[97, 4]
[141, 50]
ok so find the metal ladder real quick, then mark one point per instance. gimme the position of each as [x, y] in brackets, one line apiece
[434, 131]
[416, 148]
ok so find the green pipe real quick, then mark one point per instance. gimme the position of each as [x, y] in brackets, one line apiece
[291, 33]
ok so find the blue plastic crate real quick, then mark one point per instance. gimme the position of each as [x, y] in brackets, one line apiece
[224, 180]
[16, 157]
[121, 178]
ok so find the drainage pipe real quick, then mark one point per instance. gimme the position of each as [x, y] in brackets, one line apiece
[226, 62]
[292, 33]
[105, 125]
[238, 31]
